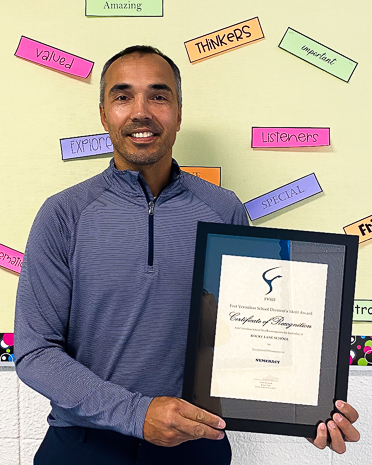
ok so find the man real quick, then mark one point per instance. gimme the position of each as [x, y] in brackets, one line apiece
[103, 299]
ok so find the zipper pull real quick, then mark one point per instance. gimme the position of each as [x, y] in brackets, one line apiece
[151, 207]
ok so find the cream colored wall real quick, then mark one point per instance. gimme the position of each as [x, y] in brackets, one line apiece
[257, 85]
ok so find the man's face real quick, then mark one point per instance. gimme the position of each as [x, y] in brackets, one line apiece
[140, 111]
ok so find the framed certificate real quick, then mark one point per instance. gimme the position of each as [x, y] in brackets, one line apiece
[270, 326]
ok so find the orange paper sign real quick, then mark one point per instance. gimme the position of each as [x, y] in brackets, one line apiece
[361, 228]
[212, 175]
[224, 39]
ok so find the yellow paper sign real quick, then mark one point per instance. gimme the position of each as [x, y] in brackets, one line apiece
[361, 228]
[223, 40]
[212, 175]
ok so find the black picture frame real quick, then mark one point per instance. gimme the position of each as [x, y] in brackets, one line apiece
[340, 253]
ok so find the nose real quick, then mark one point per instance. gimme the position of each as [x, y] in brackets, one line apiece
[140, 109]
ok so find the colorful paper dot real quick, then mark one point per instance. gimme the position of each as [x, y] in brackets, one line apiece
[8, 338]
[359, 347]
[362, 362]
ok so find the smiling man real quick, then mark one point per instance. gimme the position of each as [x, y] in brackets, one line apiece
[104, 293]
[141, 110]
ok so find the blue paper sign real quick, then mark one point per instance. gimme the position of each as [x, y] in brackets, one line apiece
[283, 197]
[86, 146]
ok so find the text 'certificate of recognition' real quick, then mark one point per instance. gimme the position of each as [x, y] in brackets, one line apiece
[269, 330]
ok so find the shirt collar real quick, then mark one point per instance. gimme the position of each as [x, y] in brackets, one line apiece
[128, 181]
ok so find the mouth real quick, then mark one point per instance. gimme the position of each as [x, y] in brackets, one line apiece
[142, 137]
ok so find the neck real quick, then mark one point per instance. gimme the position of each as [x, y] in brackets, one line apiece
[156, 175]
[155, 179]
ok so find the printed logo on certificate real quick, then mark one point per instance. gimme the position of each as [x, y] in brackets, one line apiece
[269, 330]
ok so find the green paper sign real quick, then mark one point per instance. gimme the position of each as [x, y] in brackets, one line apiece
[362, 310]
[139, 8]
[318, 55]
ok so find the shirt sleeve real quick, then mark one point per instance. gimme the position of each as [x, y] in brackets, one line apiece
[41, 337]
[240, 214]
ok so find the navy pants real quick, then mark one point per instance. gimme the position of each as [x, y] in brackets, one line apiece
[86, 446]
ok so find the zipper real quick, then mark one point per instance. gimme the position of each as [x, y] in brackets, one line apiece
[150, 258]
[151, 205]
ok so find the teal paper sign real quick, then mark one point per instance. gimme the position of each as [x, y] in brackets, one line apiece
[318, 55]
[129, 8]
[362, 310]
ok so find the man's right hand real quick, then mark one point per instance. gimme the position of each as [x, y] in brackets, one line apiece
[170, 421]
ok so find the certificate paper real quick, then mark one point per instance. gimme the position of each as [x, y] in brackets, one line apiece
[269, 330]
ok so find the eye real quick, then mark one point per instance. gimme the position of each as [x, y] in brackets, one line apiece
[159, 97]
[122, 98]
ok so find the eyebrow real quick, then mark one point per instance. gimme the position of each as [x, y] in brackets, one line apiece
[124, 86]
[119, 88]
[161, 87]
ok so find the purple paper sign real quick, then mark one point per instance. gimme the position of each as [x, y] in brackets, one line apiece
[85, 146]
[283, 197]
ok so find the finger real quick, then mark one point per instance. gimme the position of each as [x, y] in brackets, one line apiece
[321, 437]
[199, 415]
[190, 429]
[337, 441]
[347, 411]
[347, 429]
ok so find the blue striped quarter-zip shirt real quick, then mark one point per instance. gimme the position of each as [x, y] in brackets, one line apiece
[104, 293]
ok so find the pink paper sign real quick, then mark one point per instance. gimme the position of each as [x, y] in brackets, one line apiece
[10, 259]
[290, 137]
[53, 57]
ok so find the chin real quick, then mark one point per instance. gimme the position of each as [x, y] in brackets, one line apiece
[142, 160]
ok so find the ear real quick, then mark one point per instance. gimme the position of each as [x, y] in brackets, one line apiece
[179, 118]
[103, 117]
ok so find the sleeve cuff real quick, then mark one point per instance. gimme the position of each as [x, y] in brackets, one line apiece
[141, 411]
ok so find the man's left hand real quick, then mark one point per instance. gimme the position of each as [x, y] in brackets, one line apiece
[340, 429]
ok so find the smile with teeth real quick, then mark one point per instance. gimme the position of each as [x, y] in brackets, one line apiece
[142, 134]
